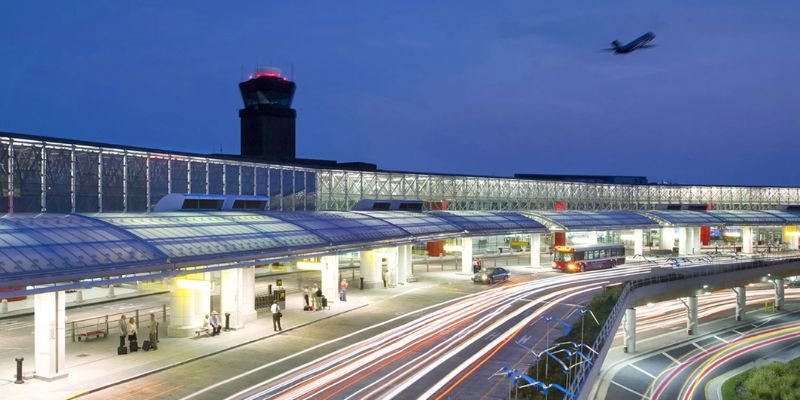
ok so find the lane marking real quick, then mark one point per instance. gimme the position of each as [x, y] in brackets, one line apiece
[721, 339]
[699, 347]
[675, 360]
[629, 389]
[642, 371]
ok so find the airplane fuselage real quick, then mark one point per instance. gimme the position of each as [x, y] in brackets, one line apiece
[639, 42]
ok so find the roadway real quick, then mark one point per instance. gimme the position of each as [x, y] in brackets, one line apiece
[673, 365]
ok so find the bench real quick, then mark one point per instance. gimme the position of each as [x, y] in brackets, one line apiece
[206, 331]
[91, 334]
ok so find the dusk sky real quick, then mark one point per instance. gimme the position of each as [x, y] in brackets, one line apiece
[468, 87]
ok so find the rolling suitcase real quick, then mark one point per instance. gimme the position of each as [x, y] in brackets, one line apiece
[122, 350]
[324, 302]
[146, 345]
[134, 346]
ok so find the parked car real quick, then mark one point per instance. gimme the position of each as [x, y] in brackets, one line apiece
[491, 275]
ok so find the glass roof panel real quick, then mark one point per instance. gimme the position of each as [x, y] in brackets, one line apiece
[788, 216]
[685, 217]
[747, 217]
[485, 221]
[597, 220]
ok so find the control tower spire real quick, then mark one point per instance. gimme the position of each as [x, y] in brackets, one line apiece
[268, 119]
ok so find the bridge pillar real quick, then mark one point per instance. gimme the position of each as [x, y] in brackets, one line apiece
[372, 268]
[778, 282]
[691, 315]
[466, 255]
[189, 302]
[683, 241]
[741, 302]
[638, 242]
[237, 295]
[747, 239]
[629, 330]
[536, 250]
[49, 335]
[405, 264]
[667, 241]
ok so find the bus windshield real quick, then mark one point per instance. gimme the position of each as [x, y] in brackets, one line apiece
[563, 256]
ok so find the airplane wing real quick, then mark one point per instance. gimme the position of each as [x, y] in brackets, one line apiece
[646, 46]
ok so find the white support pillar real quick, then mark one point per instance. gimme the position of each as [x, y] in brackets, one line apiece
[536, 250]
[638, 242]
[741, 302]
[691, 315]
[237, 296]
[392, 266]
[667, 239]
[629, 331]
[683, 242]
[778, 282]
[466, 256]
[405, 261]
[50, 328]
[696, 244]
[371, 269]
[189, 303]
[747, 239]
[330, 278]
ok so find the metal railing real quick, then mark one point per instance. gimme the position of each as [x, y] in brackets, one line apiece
[672, 272]
[104, 325]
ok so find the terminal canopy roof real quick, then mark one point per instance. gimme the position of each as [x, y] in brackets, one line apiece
[727, 217]
[52, 248]
[592, 220]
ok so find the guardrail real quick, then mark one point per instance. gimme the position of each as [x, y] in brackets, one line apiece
[103, 325]
[671, 272]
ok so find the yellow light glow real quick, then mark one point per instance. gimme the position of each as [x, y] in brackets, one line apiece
[564, 249]
[452, 248]
[309, 266]
[572, 266]
[732, 234]
[192, 284]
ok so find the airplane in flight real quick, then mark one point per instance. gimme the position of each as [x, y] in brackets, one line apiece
[639, 43]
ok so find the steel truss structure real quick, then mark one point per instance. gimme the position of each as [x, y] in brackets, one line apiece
[54, 175]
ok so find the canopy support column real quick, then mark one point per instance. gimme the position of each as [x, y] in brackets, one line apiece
[49, 335]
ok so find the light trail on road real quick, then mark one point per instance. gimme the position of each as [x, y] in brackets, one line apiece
[393, 361]
[702, 365]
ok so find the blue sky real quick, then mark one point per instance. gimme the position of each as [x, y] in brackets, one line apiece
[489, 88]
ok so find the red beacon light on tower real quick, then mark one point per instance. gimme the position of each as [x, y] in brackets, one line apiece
[267, 73]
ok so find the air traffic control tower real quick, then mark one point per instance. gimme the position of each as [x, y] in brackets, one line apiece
[268, 119]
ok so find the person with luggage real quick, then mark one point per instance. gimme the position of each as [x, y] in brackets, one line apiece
[123, 330]
[153, 332]
[318, 296]
[306, 300]
[216, 325]
[276, 316]
[343, 285]
[132, 339]
[475, 268]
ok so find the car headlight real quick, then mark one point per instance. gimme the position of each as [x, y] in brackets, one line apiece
[571, 266]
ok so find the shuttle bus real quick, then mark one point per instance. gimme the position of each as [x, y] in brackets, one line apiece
[588, 257]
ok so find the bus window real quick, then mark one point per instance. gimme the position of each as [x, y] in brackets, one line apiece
[563, 256]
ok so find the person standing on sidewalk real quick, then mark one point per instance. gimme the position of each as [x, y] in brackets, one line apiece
[153, 332]
[123, 330]
[276, 316]
[343, 297]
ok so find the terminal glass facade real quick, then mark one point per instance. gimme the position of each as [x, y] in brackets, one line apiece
[53, 175]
